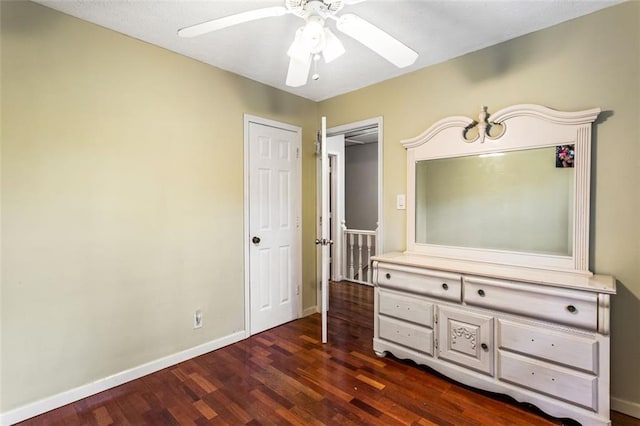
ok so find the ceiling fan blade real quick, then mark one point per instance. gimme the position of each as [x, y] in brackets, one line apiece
[228, 21]
[298, 72]
[377, 40]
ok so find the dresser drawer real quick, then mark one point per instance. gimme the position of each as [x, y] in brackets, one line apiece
[572, 386]
[555, 346]
[406, 308]
[406, 334]
[564, 306]
[437, 284]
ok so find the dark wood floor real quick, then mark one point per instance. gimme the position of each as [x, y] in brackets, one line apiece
[286, 376]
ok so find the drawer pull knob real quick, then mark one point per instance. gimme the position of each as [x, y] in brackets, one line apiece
[571, 308]
[388, 275]
[481, 293]
[484, 347]
[445, 286]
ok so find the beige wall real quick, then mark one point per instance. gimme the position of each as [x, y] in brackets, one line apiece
[360, 186]
[122, 182]
[122, 200]
[590, 62]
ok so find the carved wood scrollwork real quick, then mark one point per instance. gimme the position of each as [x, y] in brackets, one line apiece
[463, 332]
[483, 128]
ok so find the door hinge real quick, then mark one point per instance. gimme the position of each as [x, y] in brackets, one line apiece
[297, 153]
[297, 290]
[297, 221]
[435, 344]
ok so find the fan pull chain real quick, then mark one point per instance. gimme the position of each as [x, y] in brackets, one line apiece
[315, 75]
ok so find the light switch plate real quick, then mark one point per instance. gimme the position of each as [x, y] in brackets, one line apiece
[401, 202]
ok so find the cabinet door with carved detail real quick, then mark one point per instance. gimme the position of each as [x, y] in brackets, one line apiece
[466, 339]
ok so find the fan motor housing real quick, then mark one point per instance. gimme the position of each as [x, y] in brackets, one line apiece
[305, 8]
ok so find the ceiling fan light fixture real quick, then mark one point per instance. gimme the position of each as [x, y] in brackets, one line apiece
[333, 47]
[308, 40]
[313, 33]
[299, 50]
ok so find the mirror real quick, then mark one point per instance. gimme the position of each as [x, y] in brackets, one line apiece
[511, 188]
[518, 201]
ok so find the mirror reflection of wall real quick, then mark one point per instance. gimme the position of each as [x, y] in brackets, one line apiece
[515, 201]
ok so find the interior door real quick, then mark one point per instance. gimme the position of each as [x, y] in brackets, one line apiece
[331, 216]
[274, 225]
[324, 241]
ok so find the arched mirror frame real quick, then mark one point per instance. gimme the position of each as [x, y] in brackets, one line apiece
[518, 127]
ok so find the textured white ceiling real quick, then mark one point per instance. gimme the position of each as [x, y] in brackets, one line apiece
[437, 29]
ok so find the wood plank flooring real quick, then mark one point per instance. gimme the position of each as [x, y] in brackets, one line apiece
[287, 376]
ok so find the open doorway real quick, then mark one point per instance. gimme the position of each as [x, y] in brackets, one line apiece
[361, 198]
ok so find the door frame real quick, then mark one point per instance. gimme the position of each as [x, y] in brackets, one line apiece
[297, 264]
[342, 129]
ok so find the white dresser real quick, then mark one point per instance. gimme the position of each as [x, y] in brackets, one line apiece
[541, 337]
[495, 290]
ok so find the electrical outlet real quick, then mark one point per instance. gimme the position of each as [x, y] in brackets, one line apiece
[197, 319]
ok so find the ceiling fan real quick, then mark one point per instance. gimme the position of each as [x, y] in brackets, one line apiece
[314, 38]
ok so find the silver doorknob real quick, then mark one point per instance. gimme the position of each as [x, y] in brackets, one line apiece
[323, 242]
[256, 240]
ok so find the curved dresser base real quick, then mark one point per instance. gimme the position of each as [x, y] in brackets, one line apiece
[538, 342]
[552, 407]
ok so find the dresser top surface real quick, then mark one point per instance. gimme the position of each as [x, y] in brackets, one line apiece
[586, 282]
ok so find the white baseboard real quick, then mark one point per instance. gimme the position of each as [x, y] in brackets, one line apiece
[47, 404]
[310, 311]
[626, 407]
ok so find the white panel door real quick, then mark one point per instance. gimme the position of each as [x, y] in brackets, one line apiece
[273, 226]
[324, 239]
[331, 216]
